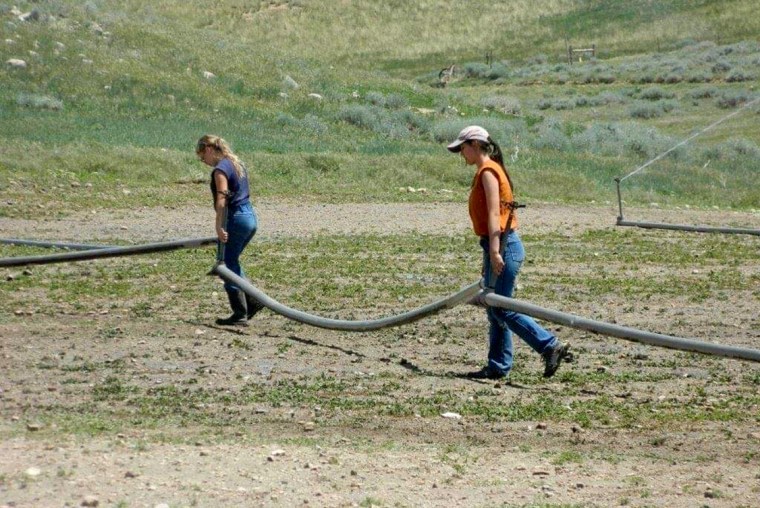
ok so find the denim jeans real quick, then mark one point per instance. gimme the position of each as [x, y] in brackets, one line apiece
[503, 322]
[241, 226]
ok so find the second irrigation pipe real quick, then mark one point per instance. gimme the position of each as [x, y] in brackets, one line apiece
[109, 252]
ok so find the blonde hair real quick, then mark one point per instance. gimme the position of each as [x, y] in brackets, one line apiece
[221, 146]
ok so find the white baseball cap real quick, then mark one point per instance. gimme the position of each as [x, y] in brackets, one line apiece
[471, 133]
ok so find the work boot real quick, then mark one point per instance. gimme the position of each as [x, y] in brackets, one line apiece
[239, 311]
[553, 357]
[485, 373]
[253, 305]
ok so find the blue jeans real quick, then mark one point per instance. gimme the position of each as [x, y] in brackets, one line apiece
[241, 226]
[502, 321]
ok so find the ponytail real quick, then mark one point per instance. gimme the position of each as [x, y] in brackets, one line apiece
[494, 152]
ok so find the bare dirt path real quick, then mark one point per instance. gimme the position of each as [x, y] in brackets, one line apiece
[279, 218]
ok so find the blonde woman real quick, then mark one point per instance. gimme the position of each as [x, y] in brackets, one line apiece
[230, 191]
[492, 211]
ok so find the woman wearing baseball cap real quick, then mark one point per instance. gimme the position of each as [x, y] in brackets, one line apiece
[494, 219]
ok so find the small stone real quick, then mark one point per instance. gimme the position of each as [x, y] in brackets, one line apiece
[452, 416]
[33, 427]
[541, 426]
[130, 474]
[33, 472]
[16, 63]
[90, 501]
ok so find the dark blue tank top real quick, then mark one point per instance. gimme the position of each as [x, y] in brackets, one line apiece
[238, 187]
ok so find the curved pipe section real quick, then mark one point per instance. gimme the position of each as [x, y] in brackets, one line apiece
[653, 339]
[463, 296]
[55, 245]
[109, 252]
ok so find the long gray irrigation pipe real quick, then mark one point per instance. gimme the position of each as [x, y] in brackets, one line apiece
[463, 296]
[108, 252]
[55, 245]
[652, 339]
[473, 294]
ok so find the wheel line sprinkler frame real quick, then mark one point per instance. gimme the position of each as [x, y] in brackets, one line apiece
[701, 229]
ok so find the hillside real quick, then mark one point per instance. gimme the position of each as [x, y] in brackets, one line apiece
[341, 100]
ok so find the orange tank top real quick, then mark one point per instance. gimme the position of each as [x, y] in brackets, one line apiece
[479, 207]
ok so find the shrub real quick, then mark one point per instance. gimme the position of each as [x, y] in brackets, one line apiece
[285, 120]
[741, 148]
[739, 75]
[732, 99]
[476, 70]
[361, 116]
[721, 66]
[395, 101]
[499, 70]
[673, 78]
[504, 132]
[563, 104]
[314, 124]
[699, 77]
[704, 93]
[606, 98]
[617, 139]
[413, 122]
[645, 111]
[655, 94]
[375, 98]
[668, 105]
[502, 103]
[538, 59]
[39, 101]
[551, 135]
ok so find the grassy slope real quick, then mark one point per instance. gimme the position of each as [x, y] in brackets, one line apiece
[134, 99]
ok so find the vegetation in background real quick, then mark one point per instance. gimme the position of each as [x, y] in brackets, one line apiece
[114, 94]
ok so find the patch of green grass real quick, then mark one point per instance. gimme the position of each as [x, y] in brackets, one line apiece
[568, 457]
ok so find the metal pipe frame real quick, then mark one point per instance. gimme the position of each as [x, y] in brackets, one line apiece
[108, 252]
[697, 229]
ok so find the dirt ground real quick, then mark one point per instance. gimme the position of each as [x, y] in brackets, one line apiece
[303, 456]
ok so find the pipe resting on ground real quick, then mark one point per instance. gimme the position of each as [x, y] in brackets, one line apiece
[463, 296]
[109, 252]
[473, 294]
[652, 339]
